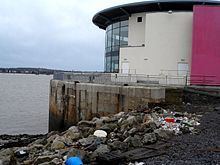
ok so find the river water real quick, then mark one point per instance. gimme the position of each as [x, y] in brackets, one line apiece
[24, 103]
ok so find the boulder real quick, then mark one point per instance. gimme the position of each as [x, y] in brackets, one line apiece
[158, 109]
[163, 134]
[132, 131]
[85, 123]
[51, 138]
[99, 123]
[105, 128]
[5, 161]
[56, 161]
[131, 120]
[28, 162]
[44, 159]
[136, 141]
[86, 131]
[147, 119]
[6, 152]
[87, 141]
[58, 143]
[125, 127]
[128, 139]
[217, 108]
[178, 114]
[45, 163]
[100, 150]
[185, 130]
[109, 127]
[118, 145]
[120, 115]
[7, 157]
[76, 152]
[105, 119]
[148, 127]
[120, 121]
[36, 147]
[125, 134]
[149, 138]
[155, 118]
[39, 142]
[72, 134]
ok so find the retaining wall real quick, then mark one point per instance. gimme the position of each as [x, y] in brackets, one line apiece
[71, 102]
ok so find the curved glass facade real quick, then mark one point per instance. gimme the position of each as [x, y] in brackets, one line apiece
[116, 37]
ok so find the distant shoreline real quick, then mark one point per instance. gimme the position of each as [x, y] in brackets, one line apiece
[35, 71]
[27, 73]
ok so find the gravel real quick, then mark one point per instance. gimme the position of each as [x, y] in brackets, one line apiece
[202, 148]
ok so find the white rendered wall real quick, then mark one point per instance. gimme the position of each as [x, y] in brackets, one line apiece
[168, 41]
[136, 30]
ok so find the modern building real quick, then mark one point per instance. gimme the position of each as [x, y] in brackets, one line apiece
[171, 37]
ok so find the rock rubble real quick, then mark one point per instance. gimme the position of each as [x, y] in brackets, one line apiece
[121, 132]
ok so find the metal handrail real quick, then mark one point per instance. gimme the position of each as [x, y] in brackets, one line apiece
[183, 80]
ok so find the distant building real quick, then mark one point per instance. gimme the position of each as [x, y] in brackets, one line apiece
[176, 38]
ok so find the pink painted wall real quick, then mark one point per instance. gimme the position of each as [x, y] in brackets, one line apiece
[205, 67]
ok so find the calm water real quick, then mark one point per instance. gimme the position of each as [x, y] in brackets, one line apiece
[24, 103]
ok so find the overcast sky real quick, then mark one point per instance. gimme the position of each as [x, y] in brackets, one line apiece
[55, 34]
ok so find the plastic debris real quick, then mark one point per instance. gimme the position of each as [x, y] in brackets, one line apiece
[21, 153]
[176, 121]
[136, 163]
[74, 161]
[169, 120]
[100, 133]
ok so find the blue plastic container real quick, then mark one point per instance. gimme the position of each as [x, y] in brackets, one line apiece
[74, 161]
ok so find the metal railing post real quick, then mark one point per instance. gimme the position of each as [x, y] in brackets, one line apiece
[166, 79]
[186, 83]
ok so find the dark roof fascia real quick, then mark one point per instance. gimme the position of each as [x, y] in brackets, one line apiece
[122, 12]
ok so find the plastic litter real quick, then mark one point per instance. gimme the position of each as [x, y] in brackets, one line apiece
[136, 163]
[178, 122]
[21, 153]
[100, 133]
[74, 161]
[169, 120]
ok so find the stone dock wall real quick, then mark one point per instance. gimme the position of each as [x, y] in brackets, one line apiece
[71, 102]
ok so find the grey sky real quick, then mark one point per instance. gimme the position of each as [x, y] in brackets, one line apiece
[52, 33]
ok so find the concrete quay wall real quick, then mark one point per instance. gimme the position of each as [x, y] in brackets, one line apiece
[71, 102]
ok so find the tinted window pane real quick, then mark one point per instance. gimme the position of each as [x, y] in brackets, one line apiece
[105, 63]
[124, 36]
[116, 37]
[114, 58]
[106, 40]
[108, 64]
[109, 27]
[108, 49]
[114, 66]
[115, 48]
[116, 25]
[124, 23]
[109, 39]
